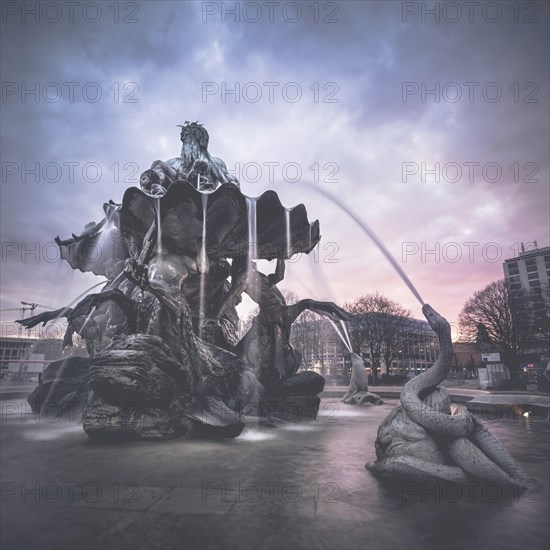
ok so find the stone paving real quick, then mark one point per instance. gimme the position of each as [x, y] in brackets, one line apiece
[299, 486]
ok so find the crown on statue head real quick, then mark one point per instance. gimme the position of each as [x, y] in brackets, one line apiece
[194, 129]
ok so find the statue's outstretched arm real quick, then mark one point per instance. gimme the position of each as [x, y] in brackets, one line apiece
[44, 317]
[166, 167]
[327, 309]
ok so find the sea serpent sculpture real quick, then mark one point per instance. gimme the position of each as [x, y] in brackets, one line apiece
[421, 439]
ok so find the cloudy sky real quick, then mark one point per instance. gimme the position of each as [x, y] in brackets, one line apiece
[433, 127]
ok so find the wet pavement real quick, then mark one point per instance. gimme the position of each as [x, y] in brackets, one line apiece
[300, 485]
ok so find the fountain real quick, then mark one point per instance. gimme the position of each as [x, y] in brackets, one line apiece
[164, 356]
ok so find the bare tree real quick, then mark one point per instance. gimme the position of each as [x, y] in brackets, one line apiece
[543, 324]
[504, 320]
[290, 296]
[309, 335]
[378, 326]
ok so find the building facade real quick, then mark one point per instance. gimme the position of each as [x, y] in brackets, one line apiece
[323, 351]
[23, 358]
[527, 277]
[467, 359]
[418, 350]
[529, 274]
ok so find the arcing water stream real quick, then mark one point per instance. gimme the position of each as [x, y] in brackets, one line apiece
[374, 237]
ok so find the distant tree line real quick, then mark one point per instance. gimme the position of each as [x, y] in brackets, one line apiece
[380, 328]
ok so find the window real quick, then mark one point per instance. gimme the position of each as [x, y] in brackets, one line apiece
[533, 276]
[513, 268]
[531, 268]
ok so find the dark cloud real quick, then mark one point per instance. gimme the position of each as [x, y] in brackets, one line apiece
[170, 52]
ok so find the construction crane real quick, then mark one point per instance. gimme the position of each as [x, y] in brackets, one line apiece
[20, 309]
[31, 307]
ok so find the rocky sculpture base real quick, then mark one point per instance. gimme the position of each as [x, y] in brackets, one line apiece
[135, 389]
[294, 399]
[364, 398]
[293, 408]
[64, 388]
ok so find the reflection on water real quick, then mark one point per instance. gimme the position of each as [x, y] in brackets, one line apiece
[301, 427]
[45, 432]
[256, 435]
[325, 458]
[334, 411]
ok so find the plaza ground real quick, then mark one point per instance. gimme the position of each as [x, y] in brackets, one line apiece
[299, 486]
